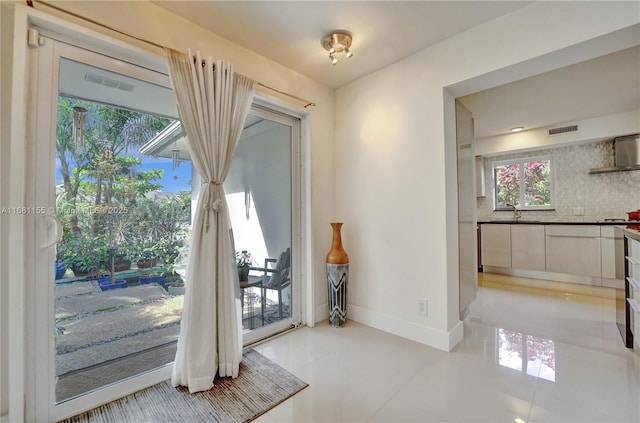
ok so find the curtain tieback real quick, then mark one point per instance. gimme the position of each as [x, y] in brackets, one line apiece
[216, 205]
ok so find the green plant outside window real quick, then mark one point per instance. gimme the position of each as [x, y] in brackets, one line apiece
[525, 183]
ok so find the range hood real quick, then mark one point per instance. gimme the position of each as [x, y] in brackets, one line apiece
[626, 155]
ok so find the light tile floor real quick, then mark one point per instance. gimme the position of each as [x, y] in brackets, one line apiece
[361, 374]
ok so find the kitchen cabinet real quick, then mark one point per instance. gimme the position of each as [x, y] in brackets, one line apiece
[528, 247]
[496, 245]
[608, 256]
[628, 298]
[480, 181]
[573, 249]
[579, 250]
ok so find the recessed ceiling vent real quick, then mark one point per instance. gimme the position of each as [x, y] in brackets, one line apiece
[563, 130]
[109, 82]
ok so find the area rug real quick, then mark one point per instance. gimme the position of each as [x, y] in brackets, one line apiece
[261, 385]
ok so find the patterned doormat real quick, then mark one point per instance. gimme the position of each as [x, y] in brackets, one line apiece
[261, 385]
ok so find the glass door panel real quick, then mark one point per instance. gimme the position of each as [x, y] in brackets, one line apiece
[260, 192]
[122, 189]
[117, 173]
[126, 221]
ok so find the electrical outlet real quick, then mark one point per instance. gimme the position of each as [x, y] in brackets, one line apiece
[422, 307]
[578, 211]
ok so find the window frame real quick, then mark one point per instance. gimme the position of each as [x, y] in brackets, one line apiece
[521, 181]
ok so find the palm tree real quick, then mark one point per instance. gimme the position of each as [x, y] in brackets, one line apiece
[101, 162]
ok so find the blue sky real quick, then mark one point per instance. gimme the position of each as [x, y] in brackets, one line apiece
[172, 182]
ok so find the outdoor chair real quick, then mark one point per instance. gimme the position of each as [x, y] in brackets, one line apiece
[276, 276]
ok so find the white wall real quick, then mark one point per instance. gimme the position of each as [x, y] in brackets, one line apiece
[393, 157]
[12, 164]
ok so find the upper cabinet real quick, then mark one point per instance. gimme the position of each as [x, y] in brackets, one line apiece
[480, 179]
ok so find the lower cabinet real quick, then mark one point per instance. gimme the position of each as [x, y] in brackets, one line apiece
[496, 245]
[610, 261]
[583, 250]
[629, 322]
[528, 247]
[573, 249]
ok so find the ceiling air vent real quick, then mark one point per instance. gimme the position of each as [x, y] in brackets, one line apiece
[109, 82]
[563, 130]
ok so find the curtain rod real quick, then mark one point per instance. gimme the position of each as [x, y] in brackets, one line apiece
[30, 3]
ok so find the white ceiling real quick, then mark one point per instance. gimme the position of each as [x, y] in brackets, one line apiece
[602, 86]
[289, 32]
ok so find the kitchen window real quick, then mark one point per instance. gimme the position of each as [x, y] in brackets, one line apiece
[524, 183]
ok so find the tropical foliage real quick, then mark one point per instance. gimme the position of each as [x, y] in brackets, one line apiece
[103, 201]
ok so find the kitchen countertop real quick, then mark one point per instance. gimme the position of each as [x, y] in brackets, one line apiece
[632, 231]
[556, 222]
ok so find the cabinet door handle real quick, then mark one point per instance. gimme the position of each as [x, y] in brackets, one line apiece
[58, 233]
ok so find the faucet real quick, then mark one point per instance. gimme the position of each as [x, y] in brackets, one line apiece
[516, 213]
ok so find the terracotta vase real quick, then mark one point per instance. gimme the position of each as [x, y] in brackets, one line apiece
[337, 278]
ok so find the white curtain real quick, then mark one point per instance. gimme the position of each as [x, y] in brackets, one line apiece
[213, 103]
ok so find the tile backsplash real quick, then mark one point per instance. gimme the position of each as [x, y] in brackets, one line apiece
[602, 196]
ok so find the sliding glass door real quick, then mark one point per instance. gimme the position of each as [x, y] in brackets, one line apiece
[262, 190]
[112, 170]
[107, 294]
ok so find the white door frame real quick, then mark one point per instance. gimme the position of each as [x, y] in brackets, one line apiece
[45, 406]
[261, 108]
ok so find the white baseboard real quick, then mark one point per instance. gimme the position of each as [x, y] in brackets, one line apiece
[441, 340]
[321, 313]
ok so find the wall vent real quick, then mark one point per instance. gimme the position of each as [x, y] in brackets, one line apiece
[109, 82]
[563, 130]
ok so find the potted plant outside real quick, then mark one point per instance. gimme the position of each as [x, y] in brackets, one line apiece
[59, 268]
[152, 274]
[86, 256]
[110, 282]
[147, 255]
[172, 279]
[121, 262]
[176, 287]
[243, 263]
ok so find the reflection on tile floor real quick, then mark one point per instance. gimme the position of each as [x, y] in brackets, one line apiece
[528, 355]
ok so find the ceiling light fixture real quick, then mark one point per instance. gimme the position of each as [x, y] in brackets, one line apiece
[517, 129]
[337, 42]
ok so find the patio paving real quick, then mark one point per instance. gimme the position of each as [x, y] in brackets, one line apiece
[101, 326]
[74, 288]
[84, 358]
[111, 335]
[87, 299]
